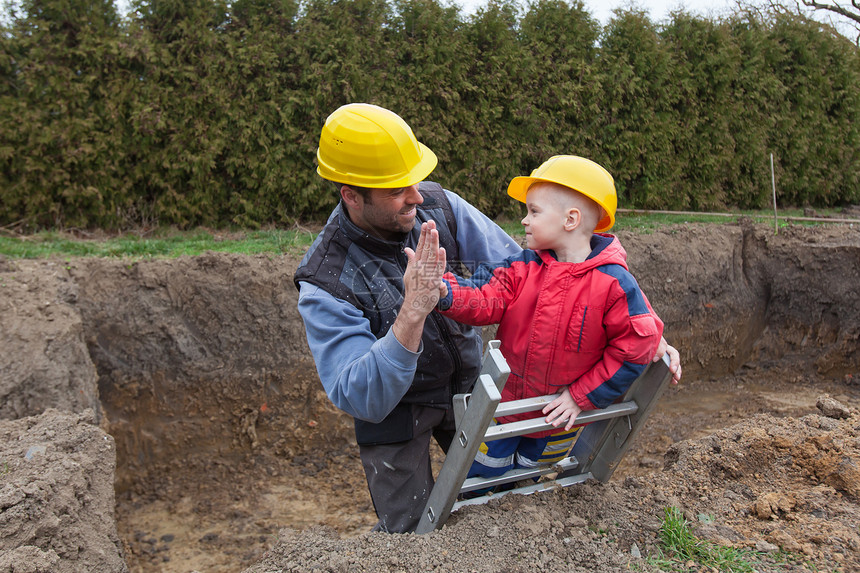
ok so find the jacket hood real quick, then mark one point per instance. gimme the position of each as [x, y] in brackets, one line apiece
[606, 249]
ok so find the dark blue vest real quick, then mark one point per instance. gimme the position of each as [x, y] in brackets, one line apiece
[367, 272]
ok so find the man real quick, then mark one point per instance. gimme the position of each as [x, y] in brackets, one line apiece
[382, 354]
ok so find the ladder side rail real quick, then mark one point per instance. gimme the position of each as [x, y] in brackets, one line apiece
[484, 400]
[601, 446]
[495, 366]
[461, 453]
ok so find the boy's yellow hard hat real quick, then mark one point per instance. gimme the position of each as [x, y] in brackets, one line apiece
[369, 146]
[578, 173]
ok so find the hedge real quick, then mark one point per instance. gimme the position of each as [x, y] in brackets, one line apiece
[208, 112]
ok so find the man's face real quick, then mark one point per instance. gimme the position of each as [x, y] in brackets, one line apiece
[387, 213]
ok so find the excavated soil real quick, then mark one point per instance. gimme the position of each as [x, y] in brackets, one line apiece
[165, 416]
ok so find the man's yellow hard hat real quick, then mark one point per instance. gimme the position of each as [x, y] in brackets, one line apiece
[369, 146]
[578, 173]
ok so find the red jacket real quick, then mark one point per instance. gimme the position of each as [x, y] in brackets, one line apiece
[586, 325]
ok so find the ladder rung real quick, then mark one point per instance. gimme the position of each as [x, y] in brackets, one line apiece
[524, 405]
[539, 424]
[474, 483]
[529, 489]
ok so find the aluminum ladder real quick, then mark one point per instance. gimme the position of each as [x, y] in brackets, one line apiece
[596, 453]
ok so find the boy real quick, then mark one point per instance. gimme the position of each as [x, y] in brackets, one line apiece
[571, 317]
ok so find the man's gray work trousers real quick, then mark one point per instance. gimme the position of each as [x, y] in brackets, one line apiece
[400, 476]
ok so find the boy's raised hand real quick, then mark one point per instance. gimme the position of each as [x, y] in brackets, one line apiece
[422, 281]
[562, 409]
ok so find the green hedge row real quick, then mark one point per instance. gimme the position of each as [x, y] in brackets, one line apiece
[207, 112]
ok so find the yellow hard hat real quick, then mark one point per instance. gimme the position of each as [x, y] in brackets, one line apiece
[579, 174]
[369, 146]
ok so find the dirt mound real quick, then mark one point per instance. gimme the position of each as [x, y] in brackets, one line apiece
[56, 496]
[45, 362]
[761, 485]
[198, 369]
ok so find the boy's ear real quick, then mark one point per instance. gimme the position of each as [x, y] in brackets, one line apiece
[573, 219]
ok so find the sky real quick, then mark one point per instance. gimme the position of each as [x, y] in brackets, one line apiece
[658, 9]
[600, 9]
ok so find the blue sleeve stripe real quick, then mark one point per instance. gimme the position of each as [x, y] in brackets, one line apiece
[446, 302]
[612, 389]
[635, 299]
[485, 272]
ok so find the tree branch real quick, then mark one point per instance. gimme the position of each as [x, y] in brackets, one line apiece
[836, 8]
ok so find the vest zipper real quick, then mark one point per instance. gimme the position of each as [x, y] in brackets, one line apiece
[451, 347]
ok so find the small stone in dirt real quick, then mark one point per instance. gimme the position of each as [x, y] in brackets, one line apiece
[832, 408]
[765, 547]
[576, 521]
[33, 451]
[717, 533]
[167, 537]
[209, 538]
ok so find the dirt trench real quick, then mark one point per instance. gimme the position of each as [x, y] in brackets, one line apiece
[225, 454]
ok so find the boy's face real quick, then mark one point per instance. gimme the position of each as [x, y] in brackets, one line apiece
[545, 218]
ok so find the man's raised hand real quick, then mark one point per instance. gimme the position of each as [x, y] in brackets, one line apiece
[422, 281]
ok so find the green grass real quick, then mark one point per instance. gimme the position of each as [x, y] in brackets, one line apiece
[164, 244]
[169, 243]
[681, 549]
[648, 221]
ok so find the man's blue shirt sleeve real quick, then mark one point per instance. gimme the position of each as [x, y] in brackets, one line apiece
[361, 375]
[479, 239]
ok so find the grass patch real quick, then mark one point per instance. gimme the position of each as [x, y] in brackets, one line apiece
[682, 550]
[163, 244]
[171, 243]
[649, 221]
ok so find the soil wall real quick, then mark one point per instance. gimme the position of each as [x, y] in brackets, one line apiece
[208, 353]
[198, 367]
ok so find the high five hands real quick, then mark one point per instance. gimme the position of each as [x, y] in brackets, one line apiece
[422, 281]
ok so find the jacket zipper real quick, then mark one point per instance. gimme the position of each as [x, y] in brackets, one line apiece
[581, 328]
[450, 347]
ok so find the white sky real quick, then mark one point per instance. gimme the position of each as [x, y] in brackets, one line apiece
[600, 9]
[658, 9]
